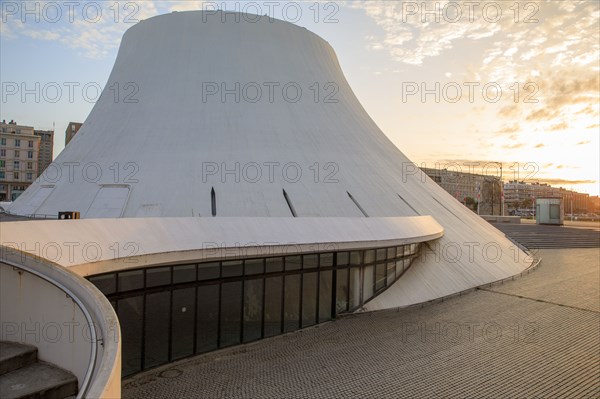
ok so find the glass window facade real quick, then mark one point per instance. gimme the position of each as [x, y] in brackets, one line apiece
[171, 312]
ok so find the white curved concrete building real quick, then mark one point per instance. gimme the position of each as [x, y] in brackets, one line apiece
[215, 133]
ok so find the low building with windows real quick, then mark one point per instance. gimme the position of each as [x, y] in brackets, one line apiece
[19, 154]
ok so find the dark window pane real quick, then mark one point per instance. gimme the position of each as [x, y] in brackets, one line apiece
[208, 271]
[311, 261]
[184, 273]
[274, 265]
[208, 318]
[106, 283]
[399, 267]
[341, 291]
[325, 293]
[326, 260]
[380, 276]
[309, 299]
[368, 282]
[231, 313]
[182, 343]
[343, 258]
[407, 263]
[369, 256]
[253, 266]
[132, 280]
[293, 262]
[130, 318]
[253, 306]
[232, 268]
[157, 276]
[156, 341]
[391, 273]
[273, 296]
[399, 251]
[355, 258]
[381, 254]
[391, 253]
[354, 288]
[407, 250]
[291, 312]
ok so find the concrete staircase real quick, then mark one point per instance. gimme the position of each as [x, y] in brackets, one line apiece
[22, 375]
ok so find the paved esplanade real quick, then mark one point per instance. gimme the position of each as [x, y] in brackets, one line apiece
[536, 336]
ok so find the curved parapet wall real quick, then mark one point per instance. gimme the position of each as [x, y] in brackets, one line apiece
[69, 321]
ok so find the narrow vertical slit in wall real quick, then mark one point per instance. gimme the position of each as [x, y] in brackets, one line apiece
[357, 204]
[213, 201]
[289, 203]
[407, 204]
[444, 206]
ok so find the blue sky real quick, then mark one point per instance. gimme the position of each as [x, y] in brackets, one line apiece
[548, 49]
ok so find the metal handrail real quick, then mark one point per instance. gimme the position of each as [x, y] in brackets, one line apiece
[35, 216]
[94, 341]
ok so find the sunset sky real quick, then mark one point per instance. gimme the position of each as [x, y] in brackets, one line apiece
[544, 56]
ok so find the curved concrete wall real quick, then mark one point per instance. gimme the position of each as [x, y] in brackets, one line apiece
[35, 311]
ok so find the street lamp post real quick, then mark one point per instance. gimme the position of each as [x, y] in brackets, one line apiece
[571, 206]
[501, 192]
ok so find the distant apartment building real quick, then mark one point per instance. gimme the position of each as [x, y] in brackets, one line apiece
[46, 148]
[71, 131]
[519, 195]
[19, 154]
[485, 189]
[594, 204]
[575, 202]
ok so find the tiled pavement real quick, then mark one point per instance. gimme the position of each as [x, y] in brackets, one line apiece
[574, 235]
[537, 337]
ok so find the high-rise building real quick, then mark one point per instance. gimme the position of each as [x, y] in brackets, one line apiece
[46, 148]
[19, 149]
[71, 131]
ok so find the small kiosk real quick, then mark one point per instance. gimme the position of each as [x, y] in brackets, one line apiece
[549, 210]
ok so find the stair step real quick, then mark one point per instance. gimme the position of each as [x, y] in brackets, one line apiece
[38, 380]
[13, 356]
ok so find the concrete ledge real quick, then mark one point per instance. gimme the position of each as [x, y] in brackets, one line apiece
[94, 246]
[501, 219]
